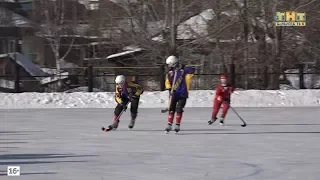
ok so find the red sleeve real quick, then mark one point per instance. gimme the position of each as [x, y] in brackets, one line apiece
[218, 91]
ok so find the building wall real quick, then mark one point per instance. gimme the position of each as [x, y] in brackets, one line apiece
[38, 51]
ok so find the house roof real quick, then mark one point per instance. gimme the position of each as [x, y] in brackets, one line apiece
[193, 27]
[197, 26]
[11, 19]
[128, 52]
[44, 75]
[24, 62]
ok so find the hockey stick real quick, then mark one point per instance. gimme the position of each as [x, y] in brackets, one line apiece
[244, 123]
[117, 119]
[171, 92]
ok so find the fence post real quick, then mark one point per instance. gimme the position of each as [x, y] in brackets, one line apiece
[301, 76]
[266, 77]
[16, 78]
[162, 78]
[232, 74]
[90, 79]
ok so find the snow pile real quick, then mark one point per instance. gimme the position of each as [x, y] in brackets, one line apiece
[157, 99]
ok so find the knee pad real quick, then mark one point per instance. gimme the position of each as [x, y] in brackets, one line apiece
[179, 109]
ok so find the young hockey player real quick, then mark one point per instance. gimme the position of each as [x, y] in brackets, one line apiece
[126, 91]
[222, 97]
[178, 81]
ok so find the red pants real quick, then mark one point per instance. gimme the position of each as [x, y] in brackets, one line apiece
[216, 106]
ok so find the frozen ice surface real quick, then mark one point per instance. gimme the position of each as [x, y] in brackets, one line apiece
[68, 144]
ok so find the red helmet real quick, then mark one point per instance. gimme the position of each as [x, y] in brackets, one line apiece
[223, 76]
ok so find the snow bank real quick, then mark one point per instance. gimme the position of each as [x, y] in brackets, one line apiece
[157, 99]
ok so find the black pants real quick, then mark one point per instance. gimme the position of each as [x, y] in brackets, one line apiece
[133, 108]
[177, 105]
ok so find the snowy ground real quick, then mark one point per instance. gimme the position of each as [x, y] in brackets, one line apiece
[67, 144]
[201, 98]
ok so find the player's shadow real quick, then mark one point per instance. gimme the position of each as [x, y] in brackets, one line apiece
[9, 147]
[12, 142]
[18, 132]
[162, 130]
[299, 124]
[246, 133]
[3, 173]
[20, 159]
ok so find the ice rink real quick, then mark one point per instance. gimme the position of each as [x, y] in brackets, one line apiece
[68, 144]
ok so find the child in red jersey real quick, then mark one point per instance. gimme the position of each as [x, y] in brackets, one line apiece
[222, 97]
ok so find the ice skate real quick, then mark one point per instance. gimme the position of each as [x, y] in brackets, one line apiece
[131, 125]
[168, 129]
[211, 121]
[221, 121]
[177, 128]
[114, 125]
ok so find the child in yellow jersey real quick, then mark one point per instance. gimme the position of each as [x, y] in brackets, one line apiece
[126, 92]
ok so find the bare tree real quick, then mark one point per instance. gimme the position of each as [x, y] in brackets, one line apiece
[58, 22]
[229, 31]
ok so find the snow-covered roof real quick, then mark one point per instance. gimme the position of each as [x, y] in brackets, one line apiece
[24, 62]
[45, 80]
[124, 53]
[154, 27]
[86, 3]
[196, 25]
[11, 19]
[42, 74]
[8, 1]
[193, 27]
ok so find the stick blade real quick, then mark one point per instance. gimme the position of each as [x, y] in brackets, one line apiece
[244, 125]
[164, 110]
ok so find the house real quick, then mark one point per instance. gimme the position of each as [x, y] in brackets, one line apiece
[32, 77]
[15, 52]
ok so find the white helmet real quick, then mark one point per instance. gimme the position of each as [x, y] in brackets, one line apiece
[120, 79]
[171, 61]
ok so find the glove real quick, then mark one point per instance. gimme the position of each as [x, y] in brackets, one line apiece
[219, 98]
[169, 90]
[226, 99]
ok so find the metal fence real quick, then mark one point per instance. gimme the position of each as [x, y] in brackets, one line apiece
[93, 79]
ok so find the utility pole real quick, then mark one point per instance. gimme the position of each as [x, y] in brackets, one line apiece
[246, 49]
[166, 30]
[173, 28]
